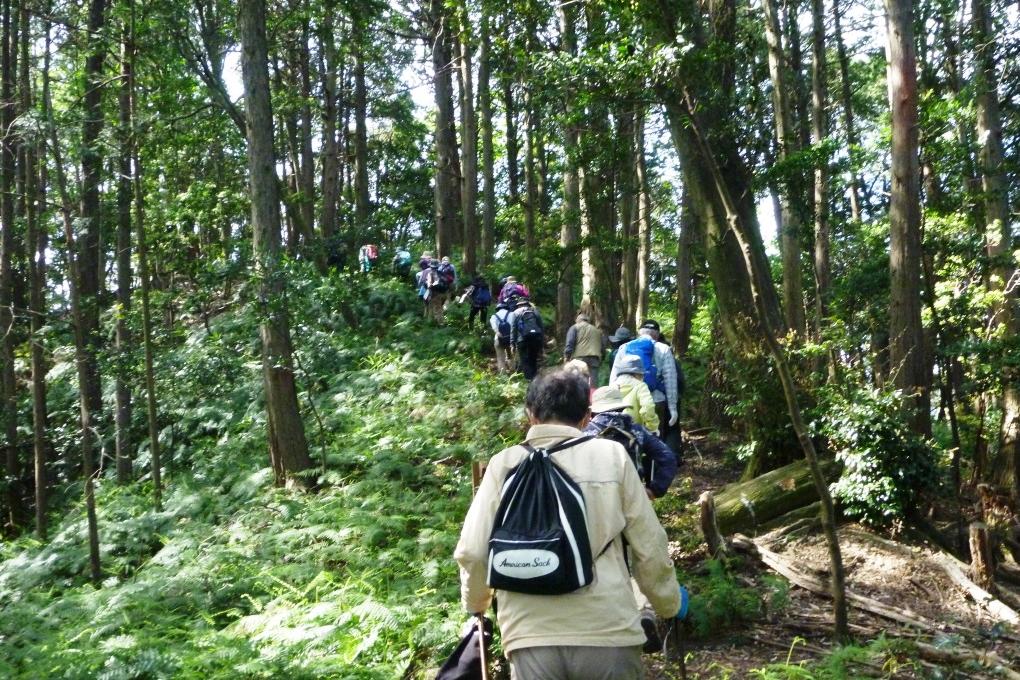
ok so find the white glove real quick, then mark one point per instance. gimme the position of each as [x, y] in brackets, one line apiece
[673, 417]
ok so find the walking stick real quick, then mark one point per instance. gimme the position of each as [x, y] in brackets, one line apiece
[481, 646]
[677, 633]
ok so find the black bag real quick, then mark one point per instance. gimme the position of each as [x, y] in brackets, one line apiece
[539, 543]
[529, 324]
[465, 663]
[628, 440]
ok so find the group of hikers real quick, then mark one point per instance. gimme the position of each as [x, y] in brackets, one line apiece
[584, 603]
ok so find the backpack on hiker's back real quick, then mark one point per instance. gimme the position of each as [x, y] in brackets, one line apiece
[528, 323]
[644, 347]
[539, 543]
[504, 331]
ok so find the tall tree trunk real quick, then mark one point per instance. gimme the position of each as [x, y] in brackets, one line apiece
[447, 181]
[512, 141]
[1005, 468]
[361, 197]
[627, 209]
[569, 230]
[330, 153]
[819, 131]
[485, 127]
[644, 220]
[469, 146]
[90, 266]
[306, 175]
[74, 278]
[684, 280]
[38, 242]
[8, 51]
[788, 144]
[530, 178]
[123, 340]
[906, 335]
[287, 445]
[846, 98]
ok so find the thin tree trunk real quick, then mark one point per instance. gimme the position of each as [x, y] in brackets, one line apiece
[74, 288]
[512, 143]
[469, 147]
[8, 50]
[485, 127]
[906, 335]
[330, 152]
[644, 221]
[123, 340]
[530, 178]
[787, 142]
[627, 209]
[38, 242]
[287, 445]
[846, 97]
[362, 205]
[684, 287]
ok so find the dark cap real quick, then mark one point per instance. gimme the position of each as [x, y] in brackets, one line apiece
[622, 334]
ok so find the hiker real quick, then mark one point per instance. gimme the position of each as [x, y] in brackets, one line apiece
[435, 291]
[449, 274]
[511, 289]
[501, 323]
[621, 336]
[673, 435]
[587, 343]
[630, 381]
[367, 255]
[580, 368]
[656, 465]
[402, 263]
[478, 293]
[659, 369]
[528, 337]
[594, 632]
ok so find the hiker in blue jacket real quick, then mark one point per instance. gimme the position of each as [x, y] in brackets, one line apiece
[660, 372]
[480, 296]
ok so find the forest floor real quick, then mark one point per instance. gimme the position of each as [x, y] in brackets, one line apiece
[791, 637]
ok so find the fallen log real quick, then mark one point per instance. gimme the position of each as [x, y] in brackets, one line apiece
[746, 506]
[956, 657]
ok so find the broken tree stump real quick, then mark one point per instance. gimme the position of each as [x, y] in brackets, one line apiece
[709, 528]
[982, 567]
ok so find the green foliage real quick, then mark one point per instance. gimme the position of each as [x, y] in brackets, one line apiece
[719, 602]
[886, 467]
[235, 578]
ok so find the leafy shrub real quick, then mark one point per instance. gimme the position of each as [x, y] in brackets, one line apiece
[886, 467]
[720, 602]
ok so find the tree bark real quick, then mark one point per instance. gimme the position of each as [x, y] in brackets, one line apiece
[287, 445]
[332, 65]
[447, 181]
[469, 146]
[14, 511]
[846, 98]
[306, 173]
[569, 227]
[819, 132]
[485, 128]
[123, 340]
[788, 144]
[684, 279]
[907, 353]
[1005, 468]
[644, 221]
[626, 201]
[361, 195]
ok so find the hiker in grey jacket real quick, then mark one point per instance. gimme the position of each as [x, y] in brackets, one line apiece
[585, 342]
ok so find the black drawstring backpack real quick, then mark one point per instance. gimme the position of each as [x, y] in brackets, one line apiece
[539, 542]
[468, 660]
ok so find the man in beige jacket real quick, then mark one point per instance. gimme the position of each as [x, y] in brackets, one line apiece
[595, 632]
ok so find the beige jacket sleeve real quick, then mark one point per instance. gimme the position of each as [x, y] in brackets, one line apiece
[472, 551]
[648, 547]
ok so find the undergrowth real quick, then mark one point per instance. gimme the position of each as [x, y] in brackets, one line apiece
[235, 578]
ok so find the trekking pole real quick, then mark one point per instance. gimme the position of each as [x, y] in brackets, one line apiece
[678, 632]
[481, 646]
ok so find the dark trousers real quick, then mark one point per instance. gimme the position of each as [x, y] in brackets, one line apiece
[529, 350]
[669, 434]
[481, 312]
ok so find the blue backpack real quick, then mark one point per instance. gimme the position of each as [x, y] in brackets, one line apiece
[644, 347]
[481, 296]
